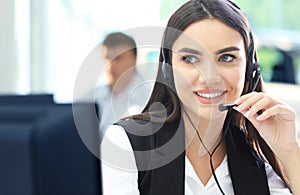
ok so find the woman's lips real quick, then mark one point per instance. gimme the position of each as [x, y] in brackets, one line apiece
[209, 96]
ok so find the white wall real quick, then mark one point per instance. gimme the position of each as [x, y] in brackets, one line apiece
[43, 43]
[8, 62]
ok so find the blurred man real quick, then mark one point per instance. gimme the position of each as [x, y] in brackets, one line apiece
[124, 90]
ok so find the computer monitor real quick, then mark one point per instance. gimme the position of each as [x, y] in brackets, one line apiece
[43, 153]
[32, 99]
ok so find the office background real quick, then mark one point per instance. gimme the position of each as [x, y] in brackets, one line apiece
[44, 42]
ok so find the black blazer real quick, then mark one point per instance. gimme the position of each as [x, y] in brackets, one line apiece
[162, 171]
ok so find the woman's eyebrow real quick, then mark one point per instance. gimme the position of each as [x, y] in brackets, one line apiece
[227, 49]
[197, 52]
[189, 50]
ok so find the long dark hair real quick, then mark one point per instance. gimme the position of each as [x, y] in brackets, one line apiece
[164, 91]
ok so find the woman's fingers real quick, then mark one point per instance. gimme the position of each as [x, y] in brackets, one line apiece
[279, 110]
[258, 107]
[274, 120]
[253, 103]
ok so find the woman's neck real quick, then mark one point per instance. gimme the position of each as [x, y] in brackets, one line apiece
[205, 132]
[203, 136]
[201, 163]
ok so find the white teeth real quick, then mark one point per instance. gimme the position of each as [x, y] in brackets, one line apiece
[210, 95]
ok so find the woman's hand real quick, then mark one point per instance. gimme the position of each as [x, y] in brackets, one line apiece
[276, 123]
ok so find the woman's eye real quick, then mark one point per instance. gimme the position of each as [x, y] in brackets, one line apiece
[227, 58]
[190, 59]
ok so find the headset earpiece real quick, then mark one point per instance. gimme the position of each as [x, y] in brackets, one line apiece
[253, 66]
[166, 70]
[166, 67]
[254, 76]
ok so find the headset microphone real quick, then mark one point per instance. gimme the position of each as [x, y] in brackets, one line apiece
[223, 107]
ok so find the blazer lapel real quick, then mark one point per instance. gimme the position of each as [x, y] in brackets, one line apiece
[246, 169]
[168, 177]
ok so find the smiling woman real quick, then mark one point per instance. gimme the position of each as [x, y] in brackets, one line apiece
[213, 71]
[207, 58]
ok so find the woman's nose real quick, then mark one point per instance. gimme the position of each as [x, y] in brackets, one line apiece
[209, 76]
[211, 79]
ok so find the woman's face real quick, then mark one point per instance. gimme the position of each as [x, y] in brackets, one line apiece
[209, 64]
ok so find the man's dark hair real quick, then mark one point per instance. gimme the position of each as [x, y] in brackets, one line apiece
[117, 39]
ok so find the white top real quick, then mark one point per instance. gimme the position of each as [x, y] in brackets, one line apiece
[131, 100]
[120, 175]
